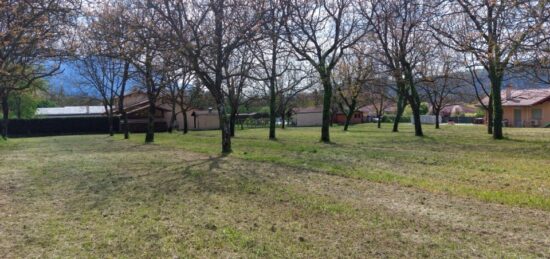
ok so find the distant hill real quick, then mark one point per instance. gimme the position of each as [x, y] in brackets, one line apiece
[70, 82]
[67, 80]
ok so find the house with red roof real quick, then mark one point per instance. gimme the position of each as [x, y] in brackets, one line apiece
[525, 108]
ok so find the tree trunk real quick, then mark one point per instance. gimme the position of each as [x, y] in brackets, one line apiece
[216, 88]
[497, 107]
[5, 116]
[125, 125]
[415, 105]
[327, 88]
[272, 110]
[399, 112]
[110, 118]
[436, 113]
[225, 128]
[232, 121]
[349, 115]
[121, 109]
[272, 93]
[490, 115]
[150, 135]
[416, 114]
[346, 124]
[283, 120]
[18, 105]
[172, 118]
[185, 126]
[379, 121]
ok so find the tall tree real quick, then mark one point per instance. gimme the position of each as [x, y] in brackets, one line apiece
[481, 89]
[377, 97]
[207, 33]
[109, 29]
[320, 31]
[237, 72]
[399, 32]
[177, 95]
[441, 78]
[494, 32]
[31, 32]
[351, 78]
[104, 75]
[149, 54]
[269, 53]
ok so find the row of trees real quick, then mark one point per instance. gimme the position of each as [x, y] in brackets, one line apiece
[369, 50]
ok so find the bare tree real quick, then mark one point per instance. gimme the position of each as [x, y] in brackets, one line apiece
[31, 32]
[494, 32]
[441, 78]
[296, 80]
[271, 56]
[149, 55]
[481, 89]
[207, 33]
[320, 32]
[104, 75]
[537, 66]
[401, 39]
[178, 97]
[377, 97]
[351, 77]
[108, 27]
[237, 72]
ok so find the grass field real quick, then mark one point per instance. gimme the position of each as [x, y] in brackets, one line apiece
[454, 193]
[460, 160]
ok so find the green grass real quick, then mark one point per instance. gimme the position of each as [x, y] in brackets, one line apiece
[369, 194]
[460, 160]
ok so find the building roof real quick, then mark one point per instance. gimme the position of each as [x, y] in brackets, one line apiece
[141, 106]
[456, 109]
[71, 111]
[371, 110]
[526, 97]
[204, 112]
[317, 109]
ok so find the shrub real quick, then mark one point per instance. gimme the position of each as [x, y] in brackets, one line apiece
[391, 118]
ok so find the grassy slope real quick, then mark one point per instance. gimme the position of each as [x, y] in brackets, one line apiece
[94, 196]
[460, 160]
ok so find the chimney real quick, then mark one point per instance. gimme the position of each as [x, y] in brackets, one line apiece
[509, 92]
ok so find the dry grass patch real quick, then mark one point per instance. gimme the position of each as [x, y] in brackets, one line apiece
[460, 160]
[92, 196]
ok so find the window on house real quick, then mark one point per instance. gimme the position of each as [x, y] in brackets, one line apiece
[536, 114]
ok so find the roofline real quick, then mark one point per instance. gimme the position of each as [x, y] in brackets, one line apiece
[143, 107]
[307, 112]
[542, 101]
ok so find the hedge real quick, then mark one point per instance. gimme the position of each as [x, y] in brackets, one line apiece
[60, 126]
[391, 118]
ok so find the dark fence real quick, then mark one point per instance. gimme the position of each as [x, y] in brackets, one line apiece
[465, 120]
[160, 126]
[60, 126]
